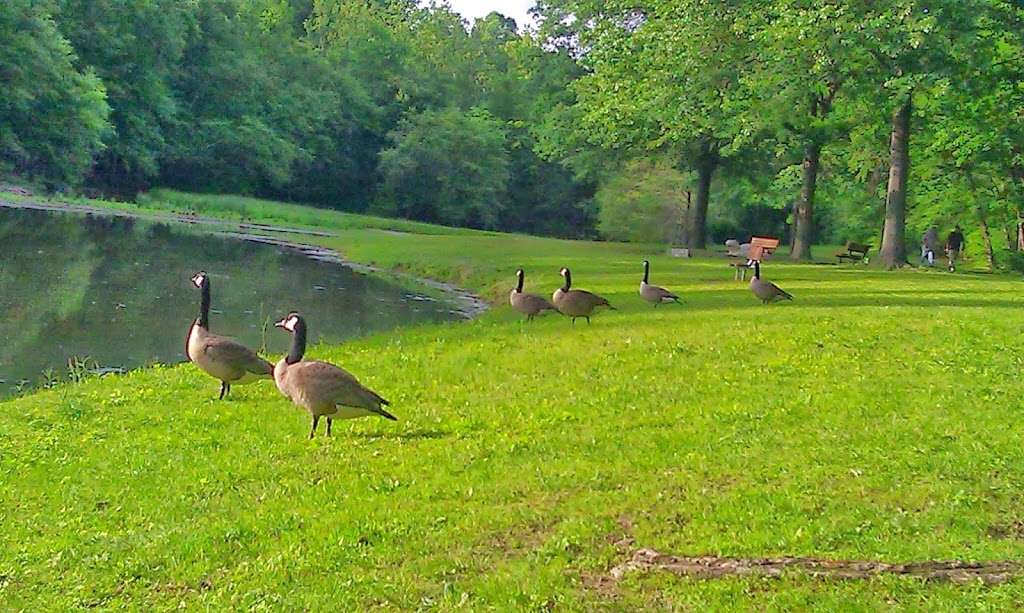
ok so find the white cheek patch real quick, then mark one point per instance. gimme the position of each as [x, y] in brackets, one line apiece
[290, 324]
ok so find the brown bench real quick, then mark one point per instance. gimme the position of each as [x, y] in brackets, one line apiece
[855, 252]
[760, 246]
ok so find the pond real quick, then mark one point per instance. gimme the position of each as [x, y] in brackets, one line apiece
[114, 293]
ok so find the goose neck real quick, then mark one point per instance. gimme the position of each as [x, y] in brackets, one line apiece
[298, 348]
[204, 306]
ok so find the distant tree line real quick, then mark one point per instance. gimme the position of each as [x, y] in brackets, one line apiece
[361, 105]
[670, 120]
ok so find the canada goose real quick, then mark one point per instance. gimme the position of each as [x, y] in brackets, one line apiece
[530, 305]
[576, 302]
[652, 293]
[219, 356]
[322, 389]
[766, 290]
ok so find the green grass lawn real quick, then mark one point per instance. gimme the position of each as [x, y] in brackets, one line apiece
[876, 417]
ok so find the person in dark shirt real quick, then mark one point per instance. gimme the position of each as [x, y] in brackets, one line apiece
[954, 245]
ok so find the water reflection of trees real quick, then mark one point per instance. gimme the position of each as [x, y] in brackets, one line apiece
[117, 290]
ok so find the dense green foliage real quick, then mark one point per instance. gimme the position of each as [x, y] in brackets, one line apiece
[349, 104]
[800, 99]
[53, 115]
[531, 459]
[863, 120]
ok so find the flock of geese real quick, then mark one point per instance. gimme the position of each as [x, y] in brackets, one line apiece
[325, 390]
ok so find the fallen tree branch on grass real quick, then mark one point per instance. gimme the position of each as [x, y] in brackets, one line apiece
[715, 567]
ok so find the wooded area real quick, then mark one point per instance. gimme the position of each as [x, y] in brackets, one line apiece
[672, 120]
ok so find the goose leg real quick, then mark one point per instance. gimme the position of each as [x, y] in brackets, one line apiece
[223, 390]
[588, 320]
[329, 422]
[316, 420]
[574, 321]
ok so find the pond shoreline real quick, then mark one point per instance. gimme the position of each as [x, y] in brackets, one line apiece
[467, 304]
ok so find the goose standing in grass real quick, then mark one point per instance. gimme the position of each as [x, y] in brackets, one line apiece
[652, 293]
[219, 356]
[530, 305]
[576, 302]
[322, 389]
[766, 290]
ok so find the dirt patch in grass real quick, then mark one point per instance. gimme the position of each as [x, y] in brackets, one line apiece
[1011, 530]
[716, 567]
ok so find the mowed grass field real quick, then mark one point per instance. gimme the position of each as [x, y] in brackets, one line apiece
[877, 417]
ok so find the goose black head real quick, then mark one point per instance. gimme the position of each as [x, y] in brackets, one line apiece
[519, 272]
[290, 322]
[200, 279]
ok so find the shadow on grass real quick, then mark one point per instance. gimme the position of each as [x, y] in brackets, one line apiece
[415, 435]
[731, 300]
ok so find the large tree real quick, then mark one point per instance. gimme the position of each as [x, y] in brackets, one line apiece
[915, 47]
[662, 76]
[800, 63]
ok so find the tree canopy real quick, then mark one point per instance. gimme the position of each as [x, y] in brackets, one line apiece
[824, 121]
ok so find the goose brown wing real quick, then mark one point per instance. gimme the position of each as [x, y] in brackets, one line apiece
[588, 297]
[233, 353]
[661, 292]
[781, 292]
[536, 302]
[326, 383]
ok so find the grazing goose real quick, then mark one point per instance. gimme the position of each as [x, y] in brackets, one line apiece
[766, 290]
[530, 305]
[652, 293]
[219, 356]
[576, 302]
[322, 389]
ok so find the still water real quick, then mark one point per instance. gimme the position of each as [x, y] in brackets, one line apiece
[117, 291]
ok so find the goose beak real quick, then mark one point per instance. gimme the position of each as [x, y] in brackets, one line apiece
[280, 324]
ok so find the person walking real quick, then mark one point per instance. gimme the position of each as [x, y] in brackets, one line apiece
[954, 245]
[929, 243]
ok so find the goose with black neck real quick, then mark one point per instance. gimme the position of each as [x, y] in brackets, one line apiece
[576, 303]
[221, 357]
[323, 389]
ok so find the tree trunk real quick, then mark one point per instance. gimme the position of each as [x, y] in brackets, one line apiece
[698, 230]
[804, 217]
[894, 247]
[986, 236]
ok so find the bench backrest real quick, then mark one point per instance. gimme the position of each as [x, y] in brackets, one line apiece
[761, 246]
[857, 248]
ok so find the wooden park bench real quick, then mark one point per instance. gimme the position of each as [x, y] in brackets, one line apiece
[855, 252]
[760, 247]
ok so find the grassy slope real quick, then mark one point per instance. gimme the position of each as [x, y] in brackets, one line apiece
[876, 417]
